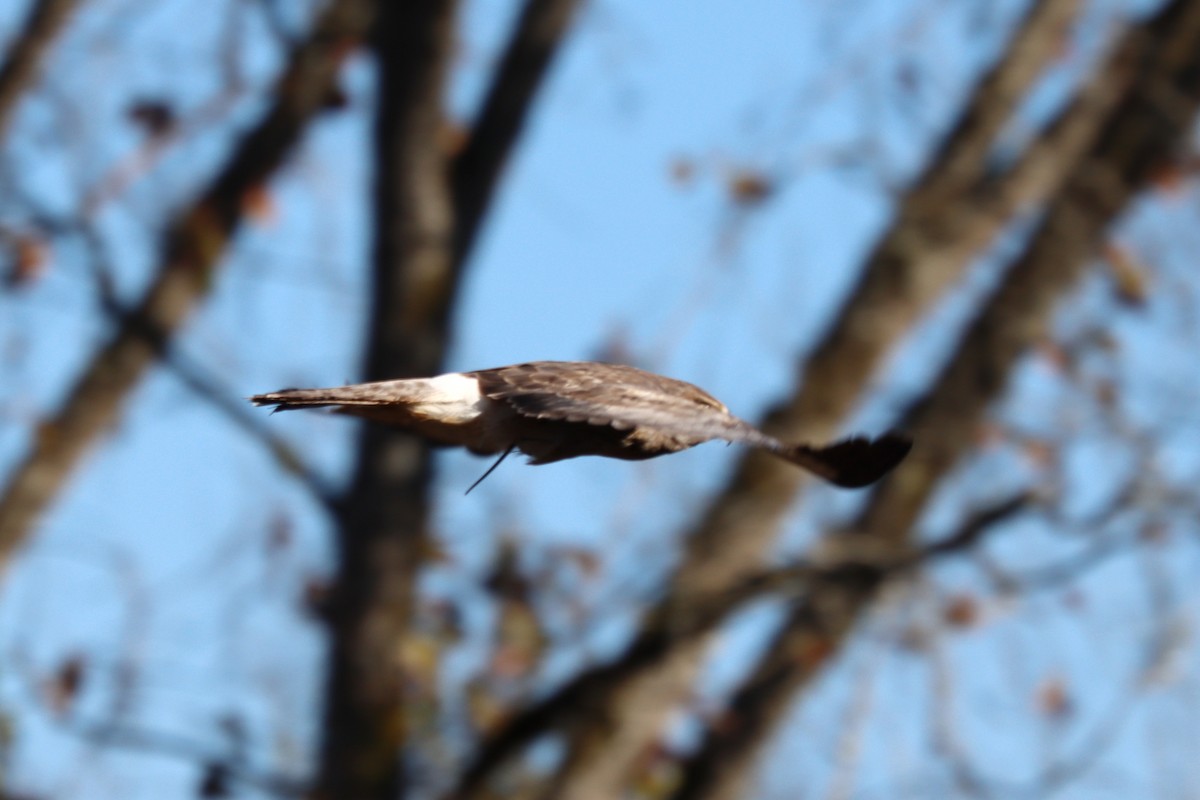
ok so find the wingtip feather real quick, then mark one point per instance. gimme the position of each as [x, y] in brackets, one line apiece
[855, 462]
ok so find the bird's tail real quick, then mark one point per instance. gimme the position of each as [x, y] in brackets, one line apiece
[850, 463]
[292, 399]
[361, 394]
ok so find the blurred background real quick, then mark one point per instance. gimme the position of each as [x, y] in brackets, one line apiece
[974, 221]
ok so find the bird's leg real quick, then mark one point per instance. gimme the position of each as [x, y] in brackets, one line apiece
[492, 468]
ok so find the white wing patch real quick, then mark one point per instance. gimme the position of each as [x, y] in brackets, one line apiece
[453, 398]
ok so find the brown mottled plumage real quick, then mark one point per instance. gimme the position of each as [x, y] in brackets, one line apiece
[553, 410]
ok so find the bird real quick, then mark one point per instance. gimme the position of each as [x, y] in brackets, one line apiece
[555, 410]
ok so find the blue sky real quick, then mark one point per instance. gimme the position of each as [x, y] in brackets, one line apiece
[164, 557]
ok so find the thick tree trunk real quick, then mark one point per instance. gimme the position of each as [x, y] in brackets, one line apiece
[428, 211]
[383, 517]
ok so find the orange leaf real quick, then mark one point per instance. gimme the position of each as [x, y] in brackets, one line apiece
[1170, 177]
[63, 687]
[961, 611]
[31, 258]
[683, 171]
[1129, 275]
[1053, 699]
[750, 188]
[452, 138]
[258, 205]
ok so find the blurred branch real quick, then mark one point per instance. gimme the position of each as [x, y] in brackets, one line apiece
[505, 112]
[962, 161]
[850, 566]
[191, 254]
[155, 148]
[186, 748]
[1153, 71]
[195, 378]
[1058, 770]
[935, 232]
[806, 640]
[938, 227]
[424, 226]
[1062, 573]
[236, 410]
[18, 72]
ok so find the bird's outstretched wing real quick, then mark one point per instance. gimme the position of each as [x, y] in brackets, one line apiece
[609, 394]
[627, 398]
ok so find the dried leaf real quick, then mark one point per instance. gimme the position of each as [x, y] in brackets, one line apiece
[30, 260]
[506, 580]
[421, 657]
[657, 771]
[1170, 177]
[990, 434]
[961, 611]
[1040, 453]
[589, 562]
[813, 650]
[520, 641]
[1053, 699]
[1056, 357]
[259, 205]
[484, 708]
[62, 689]
[434, 551]
[749, 187]
[1129, 275]
[452, 138]
[682, 171]
[316, 597]
[155, 117]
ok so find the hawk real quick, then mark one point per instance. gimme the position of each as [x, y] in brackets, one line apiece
[554, 410]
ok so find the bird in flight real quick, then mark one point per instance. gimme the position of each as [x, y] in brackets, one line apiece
[554, 410]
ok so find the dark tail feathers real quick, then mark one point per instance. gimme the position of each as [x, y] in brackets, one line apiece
[852, 463]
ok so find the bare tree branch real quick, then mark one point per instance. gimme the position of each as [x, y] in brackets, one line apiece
[1147, 126]
[822, 616]
[17, 73]
[235, 409]
[197, 380]
[531, 49]
[192, 750]
[191, 254]
[855, 565]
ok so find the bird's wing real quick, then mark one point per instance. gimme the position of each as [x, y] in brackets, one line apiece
[627, 398]
[611, 394]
